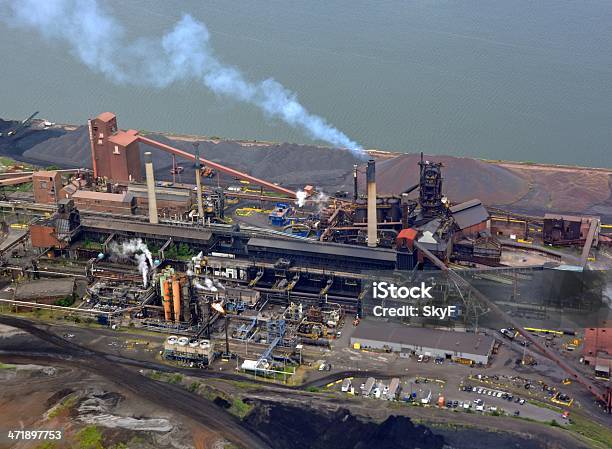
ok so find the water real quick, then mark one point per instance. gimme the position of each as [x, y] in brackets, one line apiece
[520, 80]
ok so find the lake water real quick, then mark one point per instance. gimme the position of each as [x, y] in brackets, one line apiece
[519, 80]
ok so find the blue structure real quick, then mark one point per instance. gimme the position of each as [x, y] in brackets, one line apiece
[280, 215]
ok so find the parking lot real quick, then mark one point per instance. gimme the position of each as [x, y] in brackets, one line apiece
[430, 392]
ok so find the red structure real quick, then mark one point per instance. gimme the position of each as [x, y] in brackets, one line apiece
[597, 349]
[47, 186]
[115, 154]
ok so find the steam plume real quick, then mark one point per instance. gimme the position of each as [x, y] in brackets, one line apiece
[183, 53]
[139, 250]
[300, 198]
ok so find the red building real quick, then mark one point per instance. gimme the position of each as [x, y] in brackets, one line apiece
[115, 154]
[112, 203]
[46, 186]
[597, 349]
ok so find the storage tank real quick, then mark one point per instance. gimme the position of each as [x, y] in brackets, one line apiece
[166, 300]
[183, 341]
[172, 339]
[176, 296]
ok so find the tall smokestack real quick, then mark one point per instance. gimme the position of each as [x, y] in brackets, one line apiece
[355, 185]
[198, 174]
[151, 188]
[371, 181]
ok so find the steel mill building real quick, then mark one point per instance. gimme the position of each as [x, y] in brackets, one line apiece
[458, 346]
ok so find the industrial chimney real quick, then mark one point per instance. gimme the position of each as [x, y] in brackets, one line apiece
[198, 174]
[372, 219]
[151, 188]
[355, 184]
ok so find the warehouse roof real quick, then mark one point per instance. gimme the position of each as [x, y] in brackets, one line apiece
[125, 197]
[133, 227]
[106, 116]
[161, 193]
[397, 333]
[332, 249]
[469, 213]
[44, 288]
[124, 138]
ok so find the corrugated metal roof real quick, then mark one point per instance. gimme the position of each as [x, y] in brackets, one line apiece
[421, 336]
[469, 213]
[333, 249]
[118, 226]
[125, 197]
[44, 288]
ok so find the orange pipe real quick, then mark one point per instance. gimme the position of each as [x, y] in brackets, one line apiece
[166, 300]
[176, 293]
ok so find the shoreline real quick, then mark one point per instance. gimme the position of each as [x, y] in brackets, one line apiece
[374, 152]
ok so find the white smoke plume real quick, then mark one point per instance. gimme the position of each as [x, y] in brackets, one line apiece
[300, 196]
[208, 286]
[183, 53]
[137, 250]
[321, 200]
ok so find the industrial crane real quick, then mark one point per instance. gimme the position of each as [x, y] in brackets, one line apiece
[24, 124]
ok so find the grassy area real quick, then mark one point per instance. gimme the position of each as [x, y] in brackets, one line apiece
[5, 366]
[240, 408]
[90, 437]
[67, 403]
[596, 433]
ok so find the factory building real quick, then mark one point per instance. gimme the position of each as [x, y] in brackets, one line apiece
[567, 229]
[45, 291]
[471, 218]
[459, 346]
[597, 350]
[57, 230]
[319, 254]
[193, 352]
[46, 186]
[115, 154]
[112, 203]
[170, 201]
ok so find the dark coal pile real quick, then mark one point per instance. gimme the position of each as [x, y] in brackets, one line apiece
[70, 149]
[288, 164]
[288, 427]
[464, 178]
[25, 139]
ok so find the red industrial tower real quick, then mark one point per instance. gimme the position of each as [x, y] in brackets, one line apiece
[115, 154]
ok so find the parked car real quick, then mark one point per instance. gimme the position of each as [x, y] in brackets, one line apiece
[420, 358]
